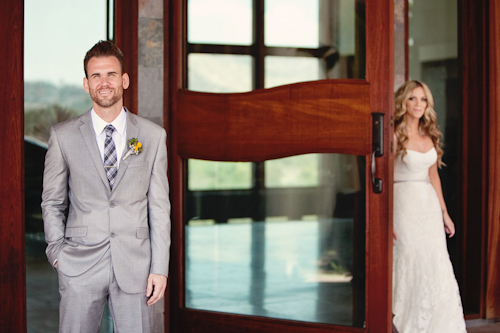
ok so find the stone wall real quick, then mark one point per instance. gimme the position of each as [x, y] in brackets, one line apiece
[151, 60]
[151, 83]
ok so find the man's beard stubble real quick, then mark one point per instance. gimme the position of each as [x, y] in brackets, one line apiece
[104, 102]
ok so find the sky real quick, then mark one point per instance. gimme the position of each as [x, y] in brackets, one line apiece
[58, 33]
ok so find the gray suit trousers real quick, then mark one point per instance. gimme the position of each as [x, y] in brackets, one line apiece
[83, 298]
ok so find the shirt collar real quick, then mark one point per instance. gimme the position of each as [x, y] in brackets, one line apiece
[119, 123]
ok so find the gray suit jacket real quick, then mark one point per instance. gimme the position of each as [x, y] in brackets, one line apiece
[132, 220]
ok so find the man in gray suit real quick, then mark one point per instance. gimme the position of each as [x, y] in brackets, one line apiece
[107, 172]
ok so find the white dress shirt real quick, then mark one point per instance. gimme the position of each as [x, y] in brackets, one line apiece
[119, 134]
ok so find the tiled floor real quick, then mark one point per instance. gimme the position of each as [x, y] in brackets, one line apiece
[483, 326]
[274, 270]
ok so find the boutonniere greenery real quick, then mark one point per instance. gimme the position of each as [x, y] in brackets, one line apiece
[135, 148]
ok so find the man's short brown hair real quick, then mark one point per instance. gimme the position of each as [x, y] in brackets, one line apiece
[104, 48]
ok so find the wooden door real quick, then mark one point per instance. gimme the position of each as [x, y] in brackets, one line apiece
[327, 116]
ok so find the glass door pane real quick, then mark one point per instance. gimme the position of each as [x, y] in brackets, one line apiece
[220, 22]
[292, 23]
[292, 250]
[331, 32]
[58, 33]
[286, 70]
[219, 73]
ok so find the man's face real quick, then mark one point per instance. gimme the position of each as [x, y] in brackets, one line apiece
[105, 82]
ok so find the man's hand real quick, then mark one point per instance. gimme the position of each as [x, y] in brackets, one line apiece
[156, 286]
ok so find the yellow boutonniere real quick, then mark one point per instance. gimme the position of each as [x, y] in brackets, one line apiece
[135, 147]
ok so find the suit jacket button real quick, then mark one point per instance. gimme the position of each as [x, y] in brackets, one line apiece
[113, 235]
[112, 205]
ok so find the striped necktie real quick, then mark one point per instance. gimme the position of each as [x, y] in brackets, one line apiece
[110, 157]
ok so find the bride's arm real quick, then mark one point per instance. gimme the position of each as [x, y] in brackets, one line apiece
[436, 183]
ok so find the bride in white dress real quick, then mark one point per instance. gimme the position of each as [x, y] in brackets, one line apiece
[426, 298]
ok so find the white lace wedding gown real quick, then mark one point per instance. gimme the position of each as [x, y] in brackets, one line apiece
[425, 292]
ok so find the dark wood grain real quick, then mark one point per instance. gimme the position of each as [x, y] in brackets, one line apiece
[318, 116]
[213, 322]
[167, 38]
[493, 250]
[380, 75]
[126, 37]
[474, 56]
[12, 240]
[174, 50]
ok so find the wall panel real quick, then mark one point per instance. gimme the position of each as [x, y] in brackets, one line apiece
[473, 54]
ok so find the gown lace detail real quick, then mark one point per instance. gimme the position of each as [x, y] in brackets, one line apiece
[426, 298]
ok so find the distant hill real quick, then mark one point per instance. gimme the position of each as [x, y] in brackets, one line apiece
[40, 95]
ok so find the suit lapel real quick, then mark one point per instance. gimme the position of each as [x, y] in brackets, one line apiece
[132, 131]
[88, 134]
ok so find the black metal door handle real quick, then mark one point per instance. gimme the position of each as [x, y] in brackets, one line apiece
[377, 148]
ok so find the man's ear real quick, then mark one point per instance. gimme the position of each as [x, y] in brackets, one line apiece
[126, 80]
[86, 85]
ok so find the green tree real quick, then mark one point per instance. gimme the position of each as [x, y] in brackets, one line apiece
[37, 122]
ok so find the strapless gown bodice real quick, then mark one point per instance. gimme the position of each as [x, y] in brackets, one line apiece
[414, 166]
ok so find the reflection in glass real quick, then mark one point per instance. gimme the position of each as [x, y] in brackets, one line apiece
[293, 253]
[208, 175]
[286, 70]
[220, 22]
[331, 30]
[219, 73]
[292, 23]
[57, 35]
[342, 38]
[295, 171]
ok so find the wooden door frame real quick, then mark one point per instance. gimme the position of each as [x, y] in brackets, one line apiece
[380, 75]
[12, 238]
[127, 39]
[492, 292]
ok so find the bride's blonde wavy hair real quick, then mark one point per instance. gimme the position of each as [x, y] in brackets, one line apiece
[427, 123]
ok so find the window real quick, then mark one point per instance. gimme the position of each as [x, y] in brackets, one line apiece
[57, 35]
